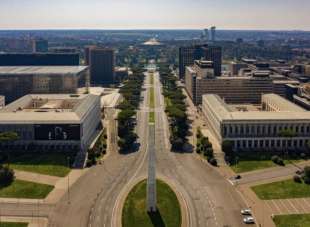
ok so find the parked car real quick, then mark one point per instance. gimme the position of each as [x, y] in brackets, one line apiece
[238, 177]
[246, 212]
[248, 220]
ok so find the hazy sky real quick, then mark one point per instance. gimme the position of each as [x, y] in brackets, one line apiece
[178, 14]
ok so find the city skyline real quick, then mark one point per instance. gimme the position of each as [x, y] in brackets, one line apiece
[139, 14]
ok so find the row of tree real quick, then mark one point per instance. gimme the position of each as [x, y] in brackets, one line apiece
[203, 146]
[175, 109]
[99, 149]
[131, 92]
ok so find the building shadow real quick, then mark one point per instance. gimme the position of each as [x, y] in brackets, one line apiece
[156, 219]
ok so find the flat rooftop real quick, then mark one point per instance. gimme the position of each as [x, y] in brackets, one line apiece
[35, 109]
[50, 70]
[227, 112]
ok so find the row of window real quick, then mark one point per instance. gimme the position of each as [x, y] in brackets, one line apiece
[270, 143]
[263, 130]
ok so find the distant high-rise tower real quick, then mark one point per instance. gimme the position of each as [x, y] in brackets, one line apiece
[39, 46]
[213, 33]
[102, 63]
[187, 56]
[206, 34]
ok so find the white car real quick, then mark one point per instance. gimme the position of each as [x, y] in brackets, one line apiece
[248, 220]
[246, 212]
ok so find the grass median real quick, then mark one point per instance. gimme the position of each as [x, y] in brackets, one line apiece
[134, 211]
[25, 190]
[13, 224]
[152, 102]
[282, 190]
[294, 220]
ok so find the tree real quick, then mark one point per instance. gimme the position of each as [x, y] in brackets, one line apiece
[6, 176]
[6, 137]
[227, 146]
[307, 175]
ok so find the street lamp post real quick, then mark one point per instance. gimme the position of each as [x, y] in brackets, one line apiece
[68, 160]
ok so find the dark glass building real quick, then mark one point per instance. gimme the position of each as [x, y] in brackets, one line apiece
[101, 63]
[188, 55]
[39, 46]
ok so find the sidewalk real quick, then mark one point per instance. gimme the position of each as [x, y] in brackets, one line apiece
[36, 177]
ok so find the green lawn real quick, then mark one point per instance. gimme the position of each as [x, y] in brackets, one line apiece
[55, 164]
[134, 211]
[152, 117]
[26, 190]
[282, 190]
[152, 98]
[13, 224]
[294, 220]
[256, 161]
[251, 165]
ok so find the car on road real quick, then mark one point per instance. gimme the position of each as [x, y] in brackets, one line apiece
[238, 177]
[246, 212]
[249, 220]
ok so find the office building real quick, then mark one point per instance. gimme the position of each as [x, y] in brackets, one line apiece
[235, 68]
[213, 33]
[200, 81]
[102, 63]
[206, 34]
[39, 46]
[17, 81]
[2, 101]
[188, 55]
[214, 54]
[51, 122]
[87, 54]
[39, 59]
[258, 128]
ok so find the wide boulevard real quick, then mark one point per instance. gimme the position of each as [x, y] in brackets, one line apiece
[96, 199]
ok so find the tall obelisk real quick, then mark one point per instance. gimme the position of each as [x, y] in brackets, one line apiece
[151, 180]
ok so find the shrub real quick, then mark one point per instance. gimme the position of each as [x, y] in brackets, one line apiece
[213, 161]
[227, 147]
[275, 158]
[303, 156]
[297, 179]
[307, 180]
[307, 171]
[209, 152]
[6, 176]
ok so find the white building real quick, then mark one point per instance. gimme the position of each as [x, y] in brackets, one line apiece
[276, 124]
[52, 122]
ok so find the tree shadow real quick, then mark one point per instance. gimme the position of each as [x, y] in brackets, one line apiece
[133, 149]
[156, 219]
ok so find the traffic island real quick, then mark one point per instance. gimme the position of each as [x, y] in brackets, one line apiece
[168, 212]
[13, 224]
